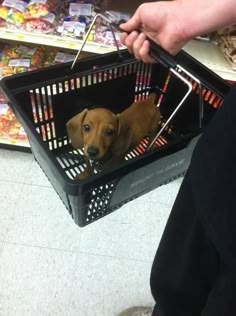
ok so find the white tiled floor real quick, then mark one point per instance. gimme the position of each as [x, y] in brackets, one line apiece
[50, 266]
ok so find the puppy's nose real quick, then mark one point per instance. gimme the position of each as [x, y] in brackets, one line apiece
[92, 152]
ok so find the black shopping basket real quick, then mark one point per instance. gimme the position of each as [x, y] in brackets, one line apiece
[44, 100]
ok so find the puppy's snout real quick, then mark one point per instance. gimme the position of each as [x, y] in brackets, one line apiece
[92, 152]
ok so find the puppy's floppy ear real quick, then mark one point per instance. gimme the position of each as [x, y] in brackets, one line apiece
[152, 97]
[74, 129]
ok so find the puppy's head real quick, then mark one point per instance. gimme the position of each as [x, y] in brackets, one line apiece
[95, 130]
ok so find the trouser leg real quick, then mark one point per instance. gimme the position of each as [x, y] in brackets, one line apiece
[186, 264]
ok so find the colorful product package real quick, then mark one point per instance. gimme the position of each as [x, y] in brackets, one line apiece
[104, 35]
[55, 56]
[42, 16]
[44, 25]
[13, 11]
[39, 8]
[21, 58]
[10, 128]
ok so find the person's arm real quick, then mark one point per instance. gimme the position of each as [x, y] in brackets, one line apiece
[173, 23]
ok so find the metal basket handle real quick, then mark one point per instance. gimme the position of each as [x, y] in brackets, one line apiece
[103, 17]
[156, 51]
[162, 56]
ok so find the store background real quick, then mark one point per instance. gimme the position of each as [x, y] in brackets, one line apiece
[48, 265]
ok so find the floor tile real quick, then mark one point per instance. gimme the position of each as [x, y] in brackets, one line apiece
[154, 216]
[35, 281]
[10, 194]
[36, 176]
[164, 194]
[1, 247]
[105, 286]
[14, 165]
[135, 239]
[42, 220]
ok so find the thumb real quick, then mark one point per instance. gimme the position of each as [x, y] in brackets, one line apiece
[133, 24]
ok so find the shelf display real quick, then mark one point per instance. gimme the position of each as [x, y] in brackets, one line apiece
[61, 25]
[227, 42]
[210, 55]
[21, 58]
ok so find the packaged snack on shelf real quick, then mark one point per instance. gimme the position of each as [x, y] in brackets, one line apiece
[44, 25]
[21, 58]
[72, 27]
[10, 128]
[45, 20]
[80, 9]
[102, 31]
[39, 8]
[62, 57]
[103, 35]
[13, 11]
[55, 56]
[49, 56]
[77, 18]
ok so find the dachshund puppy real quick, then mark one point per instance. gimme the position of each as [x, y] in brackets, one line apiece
[107, 137]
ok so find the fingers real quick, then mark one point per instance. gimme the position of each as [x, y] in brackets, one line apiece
[144, 53]
[129, 39]
[138, 45]
[135, 41]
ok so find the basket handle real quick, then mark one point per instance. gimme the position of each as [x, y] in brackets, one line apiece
[161, 55]
[87, 35]
[156, 51]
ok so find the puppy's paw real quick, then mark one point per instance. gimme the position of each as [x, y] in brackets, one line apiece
[83, 175]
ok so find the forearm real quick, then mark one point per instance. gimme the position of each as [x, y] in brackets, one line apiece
[204, 16]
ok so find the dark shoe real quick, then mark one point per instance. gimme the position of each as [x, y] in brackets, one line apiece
[137, 311]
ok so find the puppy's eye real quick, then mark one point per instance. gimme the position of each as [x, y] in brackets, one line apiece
[109, 132]
[86, 128]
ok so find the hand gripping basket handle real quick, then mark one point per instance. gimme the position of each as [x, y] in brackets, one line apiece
[161, 55]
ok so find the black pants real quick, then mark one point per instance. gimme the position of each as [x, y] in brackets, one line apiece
[188, 276]
[194, 271]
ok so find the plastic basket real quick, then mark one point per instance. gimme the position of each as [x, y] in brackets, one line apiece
[44, 100]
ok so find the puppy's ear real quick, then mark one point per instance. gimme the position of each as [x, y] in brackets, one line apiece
[152, 97]
[74, 129]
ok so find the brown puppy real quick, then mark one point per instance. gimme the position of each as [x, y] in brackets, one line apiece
[107, 137]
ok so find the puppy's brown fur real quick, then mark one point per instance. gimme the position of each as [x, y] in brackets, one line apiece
[107, 137]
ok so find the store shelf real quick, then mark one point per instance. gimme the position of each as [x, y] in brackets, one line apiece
[210, 55]
[53, 40]
[17, 144]
[206, 52]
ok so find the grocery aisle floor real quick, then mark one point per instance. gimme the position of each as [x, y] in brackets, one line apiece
[50, 266]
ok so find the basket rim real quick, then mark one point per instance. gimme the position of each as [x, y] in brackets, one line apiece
[10, 92]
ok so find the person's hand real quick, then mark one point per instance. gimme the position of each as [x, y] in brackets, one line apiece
[160, 21]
